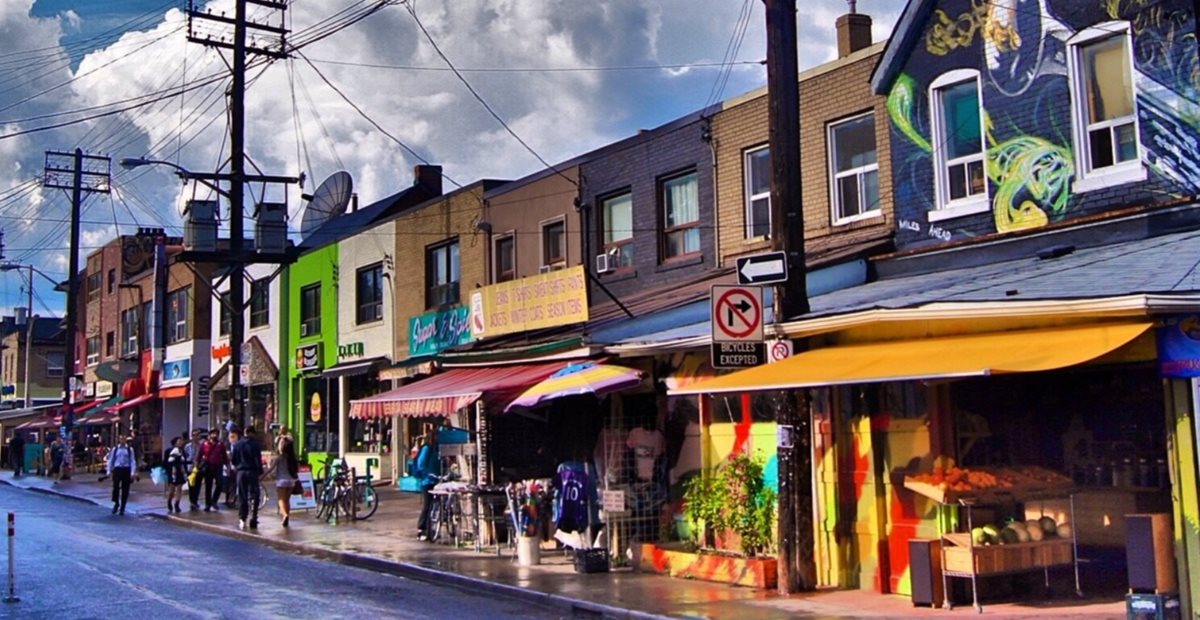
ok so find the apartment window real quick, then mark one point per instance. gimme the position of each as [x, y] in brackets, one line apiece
[112, 281]
[617, 225]
[441, 274]
[260, 303]
[177, 315]
[369, 293]
[310, 310]
[1103, 98]
[504, 257]
[554, 245]
[93, 350]
[855, 168]
[147, 320]
[110, 344]
[958, 143]
[54, 363]
[93, 286]
[680, 216]
[225, 325]
[129, 331]
[756, 169]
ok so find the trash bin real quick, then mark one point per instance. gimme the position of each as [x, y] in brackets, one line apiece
[529, 551]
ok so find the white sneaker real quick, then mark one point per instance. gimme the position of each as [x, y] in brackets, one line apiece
[241, 524]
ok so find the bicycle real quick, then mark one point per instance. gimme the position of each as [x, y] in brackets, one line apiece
[338, 495]
[445, 513]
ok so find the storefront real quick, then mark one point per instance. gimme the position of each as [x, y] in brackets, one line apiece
[364, 442]
[259, 380]
[1083, 401]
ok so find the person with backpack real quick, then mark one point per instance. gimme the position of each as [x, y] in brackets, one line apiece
[122, 467]
[426, 469]
[213, 458]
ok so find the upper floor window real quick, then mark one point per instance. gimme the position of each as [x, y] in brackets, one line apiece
[93, 286]
[225, 325]
[505, 257]
[368, 294]
[1104, 102]
[93, 350]
[554, 245]
[54, 363]
[260, 303]
[147, 320]
[112, 280]
[442, 272]
[310, 310]
[178, 319]
[855, 168]
[680, 215]
[756, 169]
[130, 331]
[616, 215]
[110, 344]
[958, 144]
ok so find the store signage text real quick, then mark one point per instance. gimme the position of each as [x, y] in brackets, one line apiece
[222, 351]
[352, 349]
[202, 397]
[1179, 347]
[435, 331]
[738, 354]
[545, 300]
[104, 389]
[308, 357]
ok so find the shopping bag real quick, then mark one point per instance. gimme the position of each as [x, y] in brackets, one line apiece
[297, 488]
[158, 476]
[193, 477]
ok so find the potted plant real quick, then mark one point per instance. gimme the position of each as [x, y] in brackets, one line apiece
[732, 514]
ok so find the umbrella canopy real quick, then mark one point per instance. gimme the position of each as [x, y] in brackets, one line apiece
[578, 380]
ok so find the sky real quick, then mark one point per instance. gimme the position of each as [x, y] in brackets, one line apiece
[373, 98]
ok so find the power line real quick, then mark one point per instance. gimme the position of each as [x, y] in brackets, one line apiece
[694, 65]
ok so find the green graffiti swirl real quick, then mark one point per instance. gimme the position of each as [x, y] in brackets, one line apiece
[900, 103]
[1033, 165]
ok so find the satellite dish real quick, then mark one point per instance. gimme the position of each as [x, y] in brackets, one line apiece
[327, 202]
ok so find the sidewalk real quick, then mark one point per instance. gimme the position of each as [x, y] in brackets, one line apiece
[387, 543]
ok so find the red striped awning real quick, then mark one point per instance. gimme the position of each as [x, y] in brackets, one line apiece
[444, 393]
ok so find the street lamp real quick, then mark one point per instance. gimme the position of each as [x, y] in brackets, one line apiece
[130, 163]
[30, 319]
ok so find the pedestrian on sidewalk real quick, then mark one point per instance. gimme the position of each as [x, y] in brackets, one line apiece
[122, 466]
[56, 458]
[213, 457]
[176, 463]
[426, 469]
[191, 451]
[247, 460]
[286, 468]
[16, 452]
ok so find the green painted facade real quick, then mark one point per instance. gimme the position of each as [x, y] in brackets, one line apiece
[319, 266]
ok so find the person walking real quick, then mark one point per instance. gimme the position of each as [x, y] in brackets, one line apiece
[426, 469]
[191, 451]
[176, 465]
[56, 458]
[213, 457]
[16, 453]
[286, 468]
[247, 460]
[122, 467]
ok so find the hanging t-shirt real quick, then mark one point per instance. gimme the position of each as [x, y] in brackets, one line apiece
[647, 445]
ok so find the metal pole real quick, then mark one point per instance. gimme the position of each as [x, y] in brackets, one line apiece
[237, 162]
[29, 337]
[12, 563]
[73, 278]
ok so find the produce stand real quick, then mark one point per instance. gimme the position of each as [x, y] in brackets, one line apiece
[963, 557]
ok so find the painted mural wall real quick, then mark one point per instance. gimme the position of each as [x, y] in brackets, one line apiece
[1020, 49]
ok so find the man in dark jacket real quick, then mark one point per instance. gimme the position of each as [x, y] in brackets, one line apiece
[247, 460]
[16, 452]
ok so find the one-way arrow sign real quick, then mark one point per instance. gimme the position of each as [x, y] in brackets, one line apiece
[762, 268]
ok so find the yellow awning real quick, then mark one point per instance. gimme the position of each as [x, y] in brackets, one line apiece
[941, 357]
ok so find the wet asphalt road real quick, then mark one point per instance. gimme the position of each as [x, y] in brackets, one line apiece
[77, 561]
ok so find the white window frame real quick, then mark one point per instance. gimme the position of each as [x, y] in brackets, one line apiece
[750, 196]
[510, 235]
[1119, 173]
[52, 370]
[834, 175]
[979, 203]
[92, 358]
[542, 225]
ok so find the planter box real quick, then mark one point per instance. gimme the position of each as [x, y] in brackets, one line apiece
[751, 572]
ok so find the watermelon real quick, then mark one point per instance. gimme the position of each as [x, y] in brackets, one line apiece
[1009, 536]
[1048, 525]
[1035, 532]
[1064, 530]
[1021, 530]
[978, 536]
[993, 534]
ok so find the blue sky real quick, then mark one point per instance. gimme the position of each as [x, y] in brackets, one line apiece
[567, 76]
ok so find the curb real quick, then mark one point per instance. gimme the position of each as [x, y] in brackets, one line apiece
[424, 573]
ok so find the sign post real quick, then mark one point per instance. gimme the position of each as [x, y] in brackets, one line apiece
[737, 327]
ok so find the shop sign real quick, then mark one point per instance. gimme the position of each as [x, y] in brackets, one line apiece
[779, 350]
[222, 351]
[613, 502]
[314, 407]
[307, 499]
[352, 349]
[177, 371]
[308, 357]
[104, 389]
[1179, 347]
[89, 391]
[738, 354]
[203, 402]
[545, 300]
[435, 331]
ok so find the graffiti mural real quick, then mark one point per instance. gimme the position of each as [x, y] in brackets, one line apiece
[1020, 49]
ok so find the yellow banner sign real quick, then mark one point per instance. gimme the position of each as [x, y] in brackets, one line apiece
[545, 300]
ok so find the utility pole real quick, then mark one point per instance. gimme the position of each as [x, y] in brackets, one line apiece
[89, 174]
[237, 177]
[797, 570]
[28, 335]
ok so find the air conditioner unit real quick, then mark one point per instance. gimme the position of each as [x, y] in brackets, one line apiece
[303, 329]
[604, 263]
[545, 269]
[378, 312]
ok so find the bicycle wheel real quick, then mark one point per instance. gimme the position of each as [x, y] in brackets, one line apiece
[262, 495]
[435, 519]
[367, 500]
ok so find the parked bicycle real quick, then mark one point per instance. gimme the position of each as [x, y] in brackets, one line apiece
[445, 514]
[341, 496]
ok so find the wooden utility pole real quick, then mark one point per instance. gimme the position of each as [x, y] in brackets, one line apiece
[797, 570]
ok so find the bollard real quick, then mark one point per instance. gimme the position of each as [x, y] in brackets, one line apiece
[12, 563]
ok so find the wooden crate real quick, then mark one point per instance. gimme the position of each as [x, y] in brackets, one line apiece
[1054, 552]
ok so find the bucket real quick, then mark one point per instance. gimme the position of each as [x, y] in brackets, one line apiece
[529, 551]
